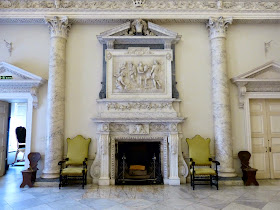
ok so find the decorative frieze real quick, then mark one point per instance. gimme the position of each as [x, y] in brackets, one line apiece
[127, 106]
[199, 5]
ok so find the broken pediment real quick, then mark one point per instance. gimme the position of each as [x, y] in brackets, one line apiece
[16, 80]
[265, 78]
[138, 32]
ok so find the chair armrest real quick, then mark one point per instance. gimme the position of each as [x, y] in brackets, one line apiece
[63, 161]
[193, 163]
[217, 162]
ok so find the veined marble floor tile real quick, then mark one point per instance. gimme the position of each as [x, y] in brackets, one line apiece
[138, 197]
[251, 203]
[272, 206]
[235, 206]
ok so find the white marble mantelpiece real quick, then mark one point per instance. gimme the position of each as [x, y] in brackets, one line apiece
[136, 120]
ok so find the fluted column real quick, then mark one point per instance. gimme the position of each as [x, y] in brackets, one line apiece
[59, 28]
[220, 95]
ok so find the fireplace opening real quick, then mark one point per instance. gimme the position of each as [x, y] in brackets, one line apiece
[138, 163]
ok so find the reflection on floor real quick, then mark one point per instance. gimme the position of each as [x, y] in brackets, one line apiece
[265, 196]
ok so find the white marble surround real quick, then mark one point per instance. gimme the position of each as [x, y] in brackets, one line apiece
[139, 105]
[136, 120]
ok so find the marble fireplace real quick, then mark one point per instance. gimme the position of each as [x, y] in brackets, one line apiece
[139, 101]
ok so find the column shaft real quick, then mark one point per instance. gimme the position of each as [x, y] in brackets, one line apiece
[220, 96]
[59, 28]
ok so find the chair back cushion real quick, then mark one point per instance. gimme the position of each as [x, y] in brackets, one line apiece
[199, 150]
[21, 134]
[77, 150]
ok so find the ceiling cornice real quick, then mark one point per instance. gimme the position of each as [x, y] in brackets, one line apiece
[120, 11]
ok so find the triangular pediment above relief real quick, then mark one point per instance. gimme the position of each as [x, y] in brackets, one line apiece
[138, 29]
[13, 73]
[268, 71]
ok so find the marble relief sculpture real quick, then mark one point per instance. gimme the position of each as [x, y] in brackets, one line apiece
[138, 76]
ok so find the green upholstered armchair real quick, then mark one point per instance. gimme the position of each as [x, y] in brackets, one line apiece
[201, 162]
[74, 166]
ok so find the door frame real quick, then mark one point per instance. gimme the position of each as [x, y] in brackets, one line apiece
[29, 99]
[254, 95]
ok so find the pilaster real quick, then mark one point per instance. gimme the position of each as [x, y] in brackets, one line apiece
[173, 141]
[103, 142]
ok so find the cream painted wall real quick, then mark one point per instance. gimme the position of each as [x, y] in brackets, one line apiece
[245, 47]
[31, 53]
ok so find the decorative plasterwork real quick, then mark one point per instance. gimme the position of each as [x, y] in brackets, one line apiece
[109, 11]
[138, 32]
[21, 82]
[58, 26]
[226, 5]
[265, 78]
[218, 26]
[138, 71]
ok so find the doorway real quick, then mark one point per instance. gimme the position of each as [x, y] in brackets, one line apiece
[13, 134]
[265, 137]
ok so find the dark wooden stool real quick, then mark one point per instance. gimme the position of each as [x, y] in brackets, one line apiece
[249, 174]
[29, 175]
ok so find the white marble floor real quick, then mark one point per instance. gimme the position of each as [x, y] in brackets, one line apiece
[266, 196]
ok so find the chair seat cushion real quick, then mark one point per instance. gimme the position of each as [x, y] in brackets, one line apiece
[204, 171]
[73, 171]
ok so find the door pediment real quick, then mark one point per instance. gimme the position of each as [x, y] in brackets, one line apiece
[265, 78]
[16, 80]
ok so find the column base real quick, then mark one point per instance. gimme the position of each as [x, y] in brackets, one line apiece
[166, 181]
[104, 181]
[227, 172]
[49, 175]
[174, 181]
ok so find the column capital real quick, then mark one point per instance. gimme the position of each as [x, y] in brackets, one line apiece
[218, 26]
[58, 26]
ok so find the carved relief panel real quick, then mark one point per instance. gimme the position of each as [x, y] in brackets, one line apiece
[139, 71]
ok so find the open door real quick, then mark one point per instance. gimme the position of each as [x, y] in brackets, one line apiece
[4, 114]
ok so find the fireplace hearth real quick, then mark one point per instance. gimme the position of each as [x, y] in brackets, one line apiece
[138, 162]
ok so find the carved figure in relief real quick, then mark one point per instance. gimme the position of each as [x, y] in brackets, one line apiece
[148, 74]
[154, 72]
[132, 71]
[140, 70]
[120, 84]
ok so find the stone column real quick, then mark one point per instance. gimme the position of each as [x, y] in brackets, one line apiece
[103, 144]
[220, 95]
[59, 28]
[173, 141]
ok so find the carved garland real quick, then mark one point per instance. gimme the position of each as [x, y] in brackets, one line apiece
[139, 106]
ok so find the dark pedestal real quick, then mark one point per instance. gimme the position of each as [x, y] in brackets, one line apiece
[249, 176]
[28, 178]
